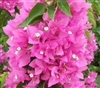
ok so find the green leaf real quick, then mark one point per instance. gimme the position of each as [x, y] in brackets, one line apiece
[2, 82]
[2, 79]
[56, 86]
[91, 67]
[98, 81]
[20, 85]
[51, 11]
[88, 34]
[64, 6]
[91, 18]
[41, 84]
[90, 9]
[37, 19]
[96, 5]
[96, 69]
[17, 10]
[90, 0]
[86, 72]
[90, 14]
[4, 17]
[36, 11]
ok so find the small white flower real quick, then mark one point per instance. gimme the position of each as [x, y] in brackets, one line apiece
[8, 4]
[49, 2]
[94, 40]
[74, 57]
[46, 28]
[11, 38]
[88, 76]
[16, 77]
[37, 34]
[19, 48]
[16, 52]
[25, 28]
[41, 52]
[31, 75]
[69, 32]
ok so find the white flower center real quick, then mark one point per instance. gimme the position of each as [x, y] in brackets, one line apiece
[69, 32]
[11, 38]
[74, 57]
[19, 48]
[94, 40]
[16, 52]
[16, 77]
[25, 28]
[49, 2]
[37, 34]
[31, 75]
[46, 28]
[41, 52]
[8, 4]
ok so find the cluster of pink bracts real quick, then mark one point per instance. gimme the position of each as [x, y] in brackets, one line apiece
[2, 55]
[9, 5]
[56, 52]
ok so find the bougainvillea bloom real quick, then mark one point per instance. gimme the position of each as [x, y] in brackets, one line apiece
[2, 55]
[56, 52]
[9, 5]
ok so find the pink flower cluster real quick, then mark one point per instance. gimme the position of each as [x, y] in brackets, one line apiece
[9, 5]
[56, 52]
[89, 81]
[2, 55]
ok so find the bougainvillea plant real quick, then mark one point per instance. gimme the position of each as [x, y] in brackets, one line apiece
[50, 44]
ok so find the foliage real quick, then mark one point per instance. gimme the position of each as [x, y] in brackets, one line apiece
[2, 79]
[4, 17]
[95, 14]
[39, 9]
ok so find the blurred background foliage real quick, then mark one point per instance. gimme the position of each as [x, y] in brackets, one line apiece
[94, 18]
[4, 17]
